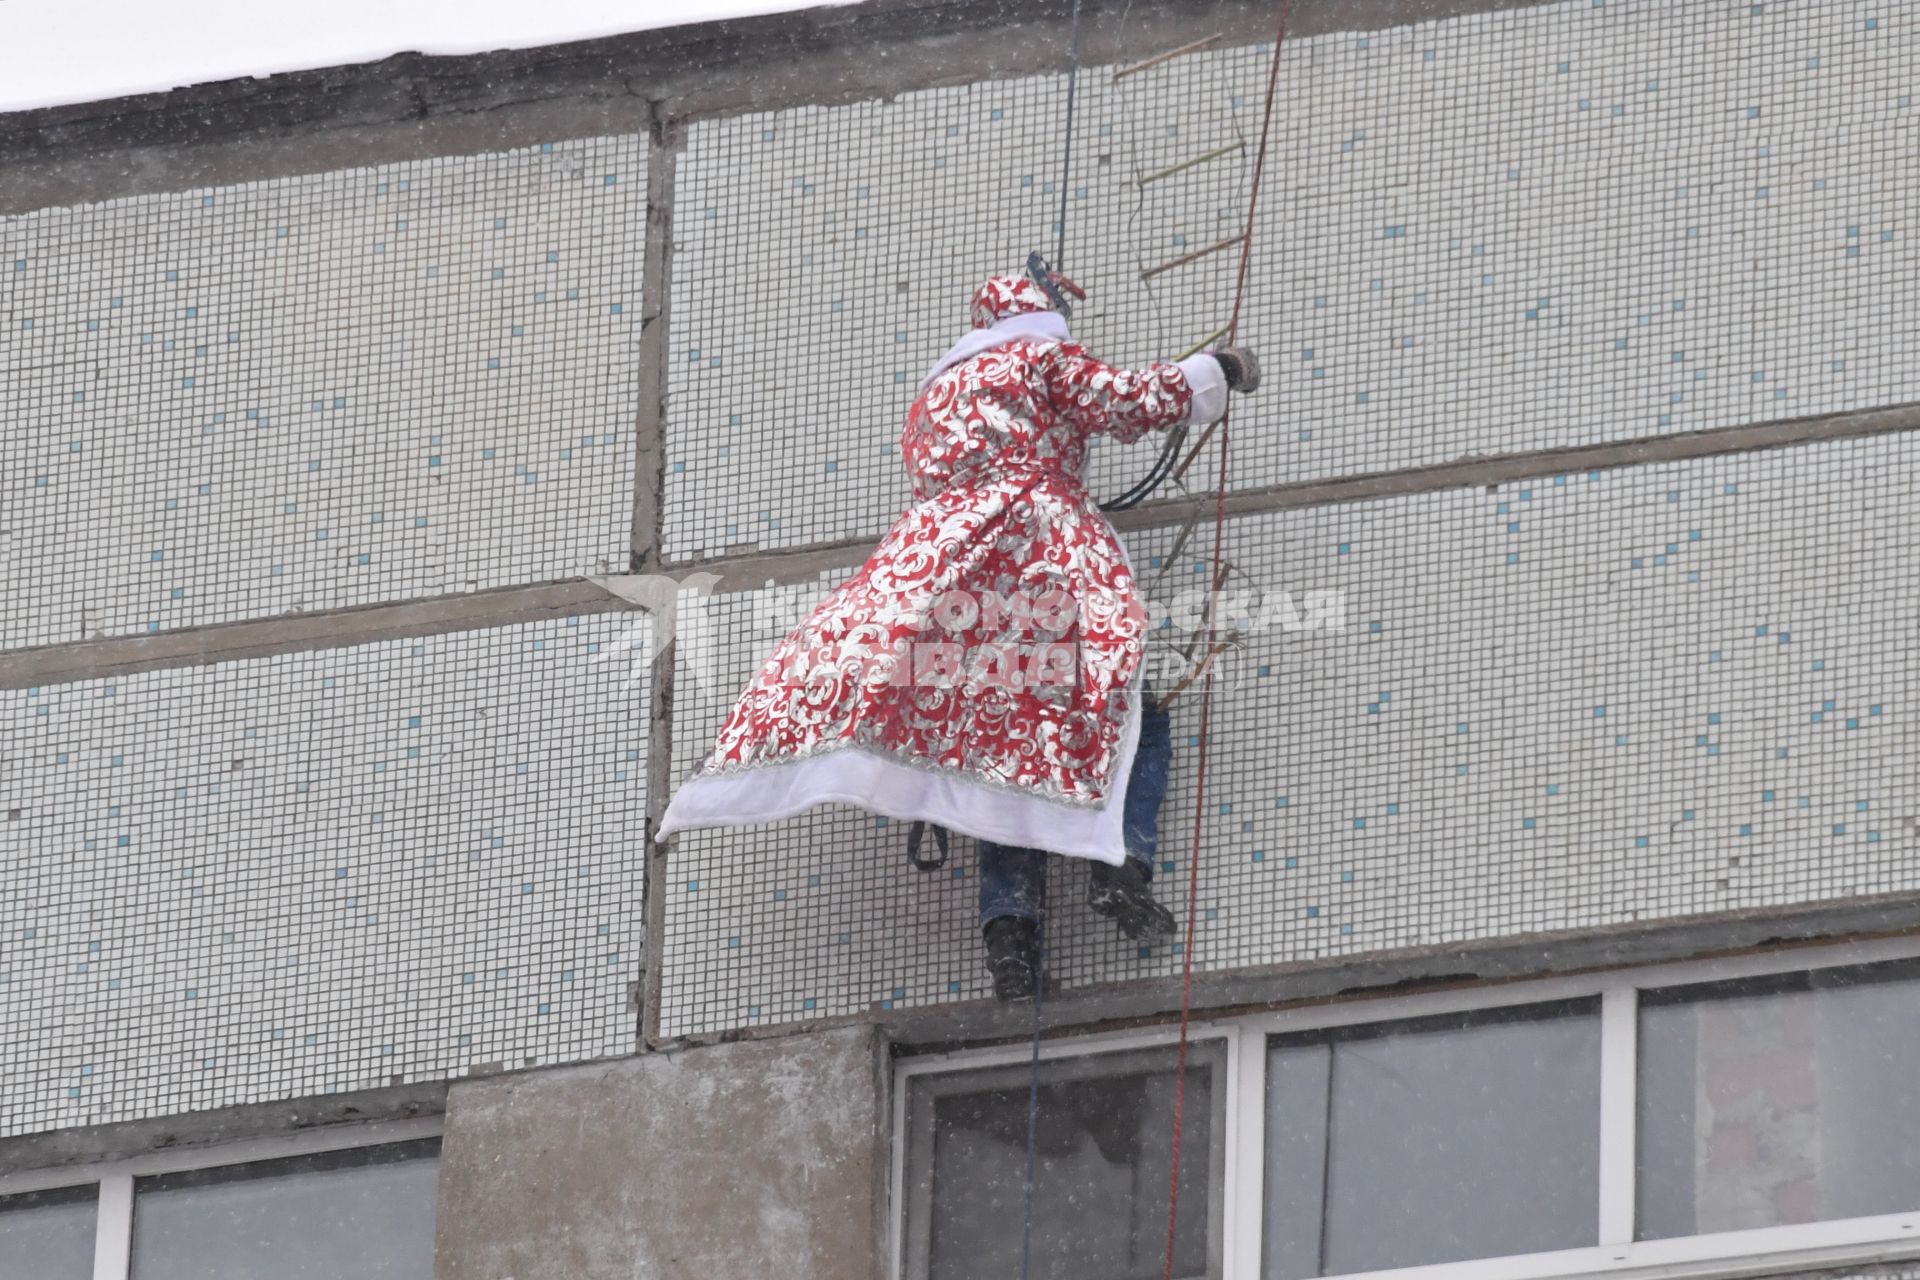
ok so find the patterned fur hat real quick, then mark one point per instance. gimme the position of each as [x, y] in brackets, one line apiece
[1005, 296]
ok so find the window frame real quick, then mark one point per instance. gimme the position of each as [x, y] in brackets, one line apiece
[1112, 1059]
[113, 1221]
[1722, 1255]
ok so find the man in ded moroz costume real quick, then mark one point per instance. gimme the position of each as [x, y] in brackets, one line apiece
[982, 671]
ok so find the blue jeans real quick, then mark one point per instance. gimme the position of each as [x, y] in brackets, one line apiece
[1013, 880]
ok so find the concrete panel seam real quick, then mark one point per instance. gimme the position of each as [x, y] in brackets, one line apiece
[326, 629]
[752, 571]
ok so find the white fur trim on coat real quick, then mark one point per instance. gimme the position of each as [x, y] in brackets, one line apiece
[1031, 326]
[1209, 385]
[902, 792]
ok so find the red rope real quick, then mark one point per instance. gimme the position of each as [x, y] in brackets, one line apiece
[1206, 697]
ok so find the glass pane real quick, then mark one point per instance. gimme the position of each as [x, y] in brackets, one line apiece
[366, 1213]
[1104, 1164]
[1441, 1140]
[1783, 1100]
[48, 1234]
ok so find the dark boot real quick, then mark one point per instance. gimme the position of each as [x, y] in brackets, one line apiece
[1013, 957]
[1122, 895]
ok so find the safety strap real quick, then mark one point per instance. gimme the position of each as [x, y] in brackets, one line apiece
[915, 834]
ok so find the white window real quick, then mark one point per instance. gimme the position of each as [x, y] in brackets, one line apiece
[355, 1201]
[1716, 1119]
[49, 1233]
[1773, 1101]
[1479, 1129]
[1102, 1155]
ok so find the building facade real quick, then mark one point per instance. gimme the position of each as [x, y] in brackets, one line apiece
[406, 464]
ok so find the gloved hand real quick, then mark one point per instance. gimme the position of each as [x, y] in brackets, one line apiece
[1238, 366]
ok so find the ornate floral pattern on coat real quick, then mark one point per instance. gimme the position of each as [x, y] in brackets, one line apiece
[994, 631]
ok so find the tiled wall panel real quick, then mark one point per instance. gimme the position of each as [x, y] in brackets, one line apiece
[321, 391]
[1565, 224]
[321, 872]
[1581, 701]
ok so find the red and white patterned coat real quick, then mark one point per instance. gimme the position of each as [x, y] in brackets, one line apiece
[991, 637]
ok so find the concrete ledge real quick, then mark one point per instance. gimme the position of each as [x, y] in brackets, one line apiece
[127, 1140]
[733, 1161]
[108, 154]
[1404, 971]
[413, 106]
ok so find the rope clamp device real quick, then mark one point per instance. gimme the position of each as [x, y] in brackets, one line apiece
[1055, 285]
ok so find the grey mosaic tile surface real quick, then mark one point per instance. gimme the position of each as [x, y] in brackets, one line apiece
[320, 391]
[321, 872]
[1585, 700]
[1564, 224]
